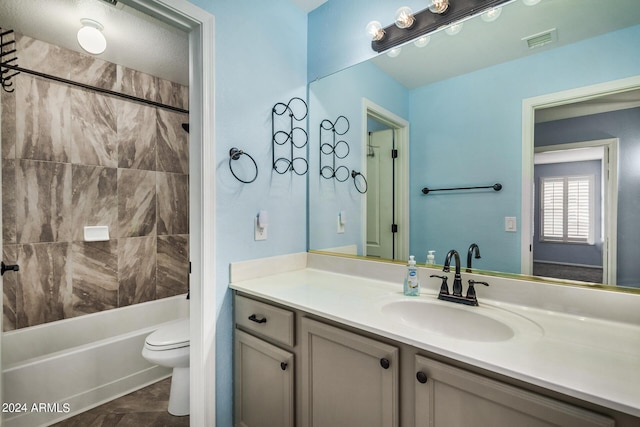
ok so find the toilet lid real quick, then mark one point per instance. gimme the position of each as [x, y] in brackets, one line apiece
[172, 335]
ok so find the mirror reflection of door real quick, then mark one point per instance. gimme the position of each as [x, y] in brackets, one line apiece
[380, 194]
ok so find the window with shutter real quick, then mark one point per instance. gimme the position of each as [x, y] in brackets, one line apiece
[567, 209]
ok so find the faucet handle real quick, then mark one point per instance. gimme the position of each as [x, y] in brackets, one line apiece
[444, 287]
[471, 291]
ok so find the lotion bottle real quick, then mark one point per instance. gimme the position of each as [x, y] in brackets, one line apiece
[411, 282]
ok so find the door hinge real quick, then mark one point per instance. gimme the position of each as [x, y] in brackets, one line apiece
[394, 153]
[394, 228]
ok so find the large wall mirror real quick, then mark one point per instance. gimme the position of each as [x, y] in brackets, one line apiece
[544, 101]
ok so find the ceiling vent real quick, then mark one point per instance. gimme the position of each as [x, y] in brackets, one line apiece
[541, 39]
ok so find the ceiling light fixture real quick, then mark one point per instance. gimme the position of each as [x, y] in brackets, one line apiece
[90, 37]
[449, 14]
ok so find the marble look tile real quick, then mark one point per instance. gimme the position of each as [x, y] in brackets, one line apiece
[93, 71]
[44, 292]
[93, 129]
[136, 136]
[44, 57]
[137, 83]
[173, 142]
[94, 276]
[8, 201]
[8, 123]
[43, 202]
[173, 203]
[136, 270]
[9, 285]
[173, 266]
[95, 199]
[42, 120]
[136, 203]
[173, 94]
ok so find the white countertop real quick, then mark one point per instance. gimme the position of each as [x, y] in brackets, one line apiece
[591, 359]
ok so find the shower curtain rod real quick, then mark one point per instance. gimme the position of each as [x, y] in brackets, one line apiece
[94, 88]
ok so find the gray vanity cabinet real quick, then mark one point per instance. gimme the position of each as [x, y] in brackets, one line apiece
[347, 380]
[447, 396]
[263, 372]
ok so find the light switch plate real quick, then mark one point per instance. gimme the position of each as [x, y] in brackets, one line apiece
[510, 224]
[259, 233]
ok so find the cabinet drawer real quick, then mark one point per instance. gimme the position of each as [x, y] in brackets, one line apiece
[264, 319]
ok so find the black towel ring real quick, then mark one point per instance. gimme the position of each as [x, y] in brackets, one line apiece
[234, 154]
[354, 175]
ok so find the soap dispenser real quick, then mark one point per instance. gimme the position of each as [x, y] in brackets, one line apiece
[412, 282]
[431, 257]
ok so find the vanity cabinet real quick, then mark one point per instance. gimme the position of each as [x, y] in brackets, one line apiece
[347, 380]
[447, 396]
[263, 372]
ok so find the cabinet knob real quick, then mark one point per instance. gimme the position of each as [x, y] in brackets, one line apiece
[254, 318]
[283, 366]
[385, 363]
[421, 377]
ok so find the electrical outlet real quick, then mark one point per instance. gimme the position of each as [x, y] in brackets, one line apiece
[260, 233]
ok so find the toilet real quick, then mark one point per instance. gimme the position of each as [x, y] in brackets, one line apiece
[169, 346]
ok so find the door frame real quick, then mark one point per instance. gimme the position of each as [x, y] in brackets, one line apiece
[529, 107]
[400, 127]
[202, 206]
[609, 201]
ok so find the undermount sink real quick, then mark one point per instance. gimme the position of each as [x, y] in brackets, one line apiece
[457, 321]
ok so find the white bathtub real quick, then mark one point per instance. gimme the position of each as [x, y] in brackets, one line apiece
[79, 363]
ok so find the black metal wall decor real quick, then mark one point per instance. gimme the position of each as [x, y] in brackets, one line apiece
[331, 148]
[295, 136]
[8, 59]
[235, 154]
[495, 187]
[361, 183]
[427, 21]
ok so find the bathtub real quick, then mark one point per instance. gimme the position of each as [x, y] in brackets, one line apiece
[73, 365]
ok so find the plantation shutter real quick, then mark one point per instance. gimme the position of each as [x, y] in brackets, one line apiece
[566, 209]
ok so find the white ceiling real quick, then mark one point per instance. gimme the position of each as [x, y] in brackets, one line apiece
[308, 5]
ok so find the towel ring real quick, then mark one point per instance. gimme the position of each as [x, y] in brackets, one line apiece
[234, 154]
[354, 175]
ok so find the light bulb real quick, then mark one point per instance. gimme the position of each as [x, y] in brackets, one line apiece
[90, 37]
[404, 17]
[394, 52]
[491, 14]
[422, 41]
[454, 28]
[439, 6]
[374, 29]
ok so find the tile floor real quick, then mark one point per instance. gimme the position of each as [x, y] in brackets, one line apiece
[143, 408]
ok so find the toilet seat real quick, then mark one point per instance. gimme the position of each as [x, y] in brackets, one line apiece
[168, 337]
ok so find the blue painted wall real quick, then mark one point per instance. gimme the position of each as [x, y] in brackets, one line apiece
[624, 125]
[261, 59]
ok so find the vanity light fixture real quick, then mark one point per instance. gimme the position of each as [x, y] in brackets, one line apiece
[422, 41]
[90, 37]
[491, 14]
[392, 53]
[454, 28]
[438, 14]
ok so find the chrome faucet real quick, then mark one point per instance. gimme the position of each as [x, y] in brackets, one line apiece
[457, 297]
[473, 248]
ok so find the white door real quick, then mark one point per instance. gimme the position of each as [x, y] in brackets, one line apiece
[380, 215]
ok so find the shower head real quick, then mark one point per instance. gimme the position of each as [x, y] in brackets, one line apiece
[185, 126]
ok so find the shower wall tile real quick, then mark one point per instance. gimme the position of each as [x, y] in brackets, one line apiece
[44, 57]
[137, 83]
[93, 71]
[136, 270]
[173, 203]
[93, 129]
[43, 202]
[94, 276]
[136, 136]
[43, 122]
[8, 201]
[44, 292]
[136, 203]
[173, 142]
[173, 94]
[173, 266]
[95, 199]
[8, 126]
[9, 286]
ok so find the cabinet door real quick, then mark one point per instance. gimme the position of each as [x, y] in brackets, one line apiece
[452, 397]
[347, 380]
[263, 383]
